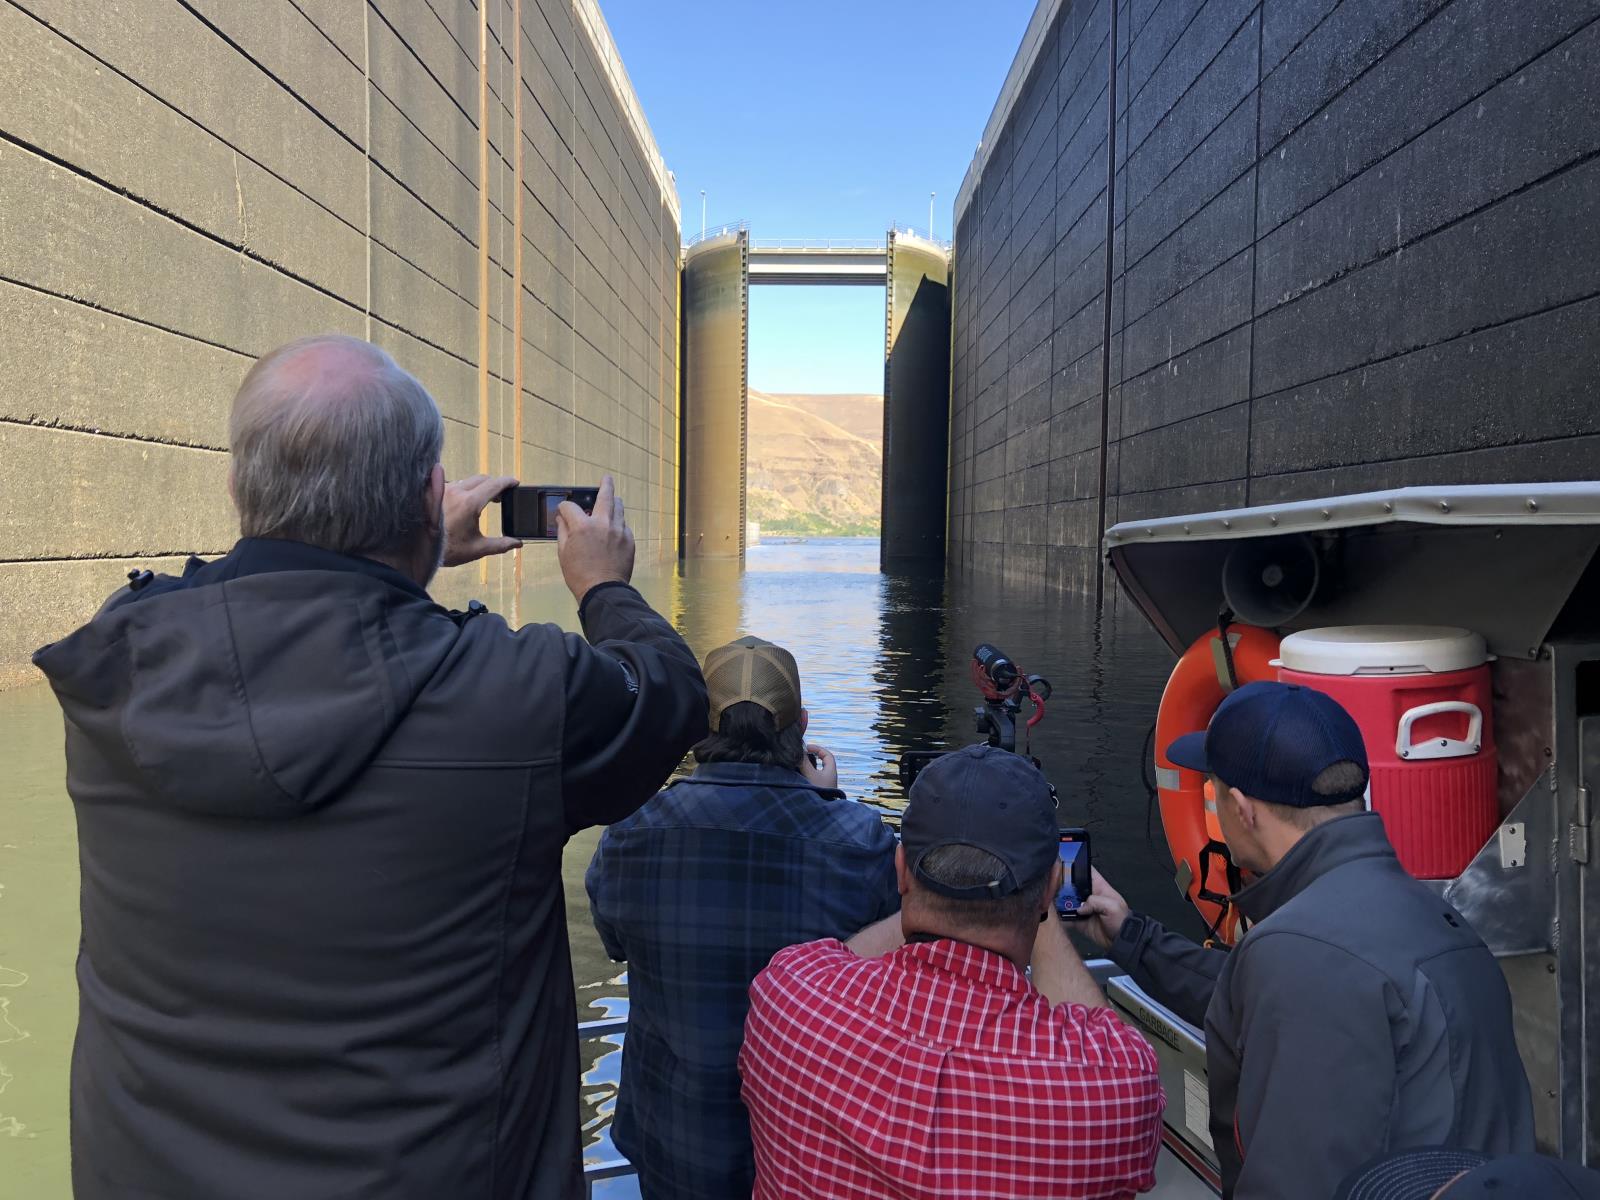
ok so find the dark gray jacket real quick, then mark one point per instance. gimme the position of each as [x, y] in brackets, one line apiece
[1360, 1014]
[320, 824]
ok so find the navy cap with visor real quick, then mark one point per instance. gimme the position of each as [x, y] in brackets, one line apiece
[1272, 740]
[1468, 1175]
[989, 799]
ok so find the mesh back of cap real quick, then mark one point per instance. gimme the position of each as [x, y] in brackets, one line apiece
[755, 671]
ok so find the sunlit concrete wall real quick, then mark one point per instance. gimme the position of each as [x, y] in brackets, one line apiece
[1354, 244]
[716, 405]
[185, 185]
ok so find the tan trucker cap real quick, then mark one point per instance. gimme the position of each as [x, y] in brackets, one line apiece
[757, 671]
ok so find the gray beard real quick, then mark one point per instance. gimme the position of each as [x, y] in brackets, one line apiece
[436, 559]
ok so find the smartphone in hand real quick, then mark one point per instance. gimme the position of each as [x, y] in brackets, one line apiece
[1077, 882]
[529, 513]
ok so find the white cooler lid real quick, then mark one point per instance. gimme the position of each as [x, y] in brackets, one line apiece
[1383, 650]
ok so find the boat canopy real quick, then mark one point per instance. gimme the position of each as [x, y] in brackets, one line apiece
[1502, 559]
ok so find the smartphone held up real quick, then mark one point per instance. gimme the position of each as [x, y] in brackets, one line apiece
[529, 513]
[1077, 880]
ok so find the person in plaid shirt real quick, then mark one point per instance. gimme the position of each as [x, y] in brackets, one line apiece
[920, 1061]
[756, 851]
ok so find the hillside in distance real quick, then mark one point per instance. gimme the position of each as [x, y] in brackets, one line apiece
[815, 463]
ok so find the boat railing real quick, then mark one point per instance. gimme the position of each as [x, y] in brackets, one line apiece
[1101, 969]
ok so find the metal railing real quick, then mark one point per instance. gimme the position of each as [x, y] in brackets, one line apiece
[715, 231]
[774, 245]
[817, 244]
[921, 234]
[610, 1168]
[1101, 969]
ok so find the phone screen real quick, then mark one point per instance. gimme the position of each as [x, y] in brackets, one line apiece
[1075, 886]
[552, 505]
[529, 513]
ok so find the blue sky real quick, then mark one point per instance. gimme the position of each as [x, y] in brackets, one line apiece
[818, 118]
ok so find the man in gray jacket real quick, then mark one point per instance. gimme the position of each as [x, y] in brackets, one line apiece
[1360, 1013]
[320, 821]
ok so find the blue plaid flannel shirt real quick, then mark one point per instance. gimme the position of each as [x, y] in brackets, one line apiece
[697, 891]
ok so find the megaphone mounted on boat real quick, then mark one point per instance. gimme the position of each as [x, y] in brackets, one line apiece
[1268, 582]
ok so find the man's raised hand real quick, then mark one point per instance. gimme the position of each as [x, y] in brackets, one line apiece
[464, 502]
[597, 547]
[1102, 911]
[819, 766]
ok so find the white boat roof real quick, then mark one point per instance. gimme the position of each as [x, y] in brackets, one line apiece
[1502, 560]
[1497, 504]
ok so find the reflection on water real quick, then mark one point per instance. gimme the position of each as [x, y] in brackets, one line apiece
[883, 661]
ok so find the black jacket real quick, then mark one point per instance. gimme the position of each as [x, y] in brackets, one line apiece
[320, 825]
[1360, 1014]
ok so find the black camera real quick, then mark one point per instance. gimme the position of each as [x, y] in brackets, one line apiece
[1004, 688]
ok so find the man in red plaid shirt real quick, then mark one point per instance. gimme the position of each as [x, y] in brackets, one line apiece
[919, 1060]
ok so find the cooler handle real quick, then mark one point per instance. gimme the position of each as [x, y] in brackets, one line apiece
[1439, 747]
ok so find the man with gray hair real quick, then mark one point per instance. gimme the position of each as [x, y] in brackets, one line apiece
[320, 820]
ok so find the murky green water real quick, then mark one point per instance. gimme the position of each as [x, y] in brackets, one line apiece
[884, 667]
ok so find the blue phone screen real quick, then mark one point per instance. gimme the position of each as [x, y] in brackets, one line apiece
[1068, 899]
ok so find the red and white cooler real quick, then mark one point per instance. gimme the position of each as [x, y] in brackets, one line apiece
[1421, 695]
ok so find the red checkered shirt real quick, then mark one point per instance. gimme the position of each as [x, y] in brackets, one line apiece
[939, 1071]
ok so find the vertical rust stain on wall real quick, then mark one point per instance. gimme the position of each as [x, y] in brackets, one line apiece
[516, 280]
[483, 254]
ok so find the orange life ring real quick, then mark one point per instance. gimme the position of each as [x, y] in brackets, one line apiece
[1198, 685]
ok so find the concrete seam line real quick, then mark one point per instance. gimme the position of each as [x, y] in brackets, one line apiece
[145, 323]
[149, 206]
[1044, 15]
[233, 45]
[136, 556]
[1111, 229]
[142, 438]
[183, 115]
[366, 104]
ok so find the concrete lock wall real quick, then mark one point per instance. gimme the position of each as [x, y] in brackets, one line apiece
[916, 400]
[185, 185]
[1353, 244]
[716, 341]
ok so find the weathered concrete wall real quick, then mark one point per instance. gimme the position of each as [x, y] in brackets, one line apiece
[916, 400]
[185, 185]
[1354, 244]
[716, 387]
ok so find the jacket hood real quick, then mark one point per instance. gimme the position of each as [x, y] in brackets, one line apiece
[254, 686]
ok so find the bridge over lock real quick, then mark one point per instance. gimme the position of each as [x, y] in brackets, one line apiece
[719, 268]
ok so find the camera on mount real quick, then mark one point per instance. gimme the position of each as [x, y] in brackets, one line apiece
[1004, 687]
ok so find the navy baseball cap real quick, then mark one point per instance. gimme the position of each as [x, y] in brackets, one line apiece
[1270, 740]
[1467, 1175]
[990, 799]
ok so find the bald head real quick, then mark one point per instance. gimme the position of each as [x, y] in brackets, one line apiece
[333, 445]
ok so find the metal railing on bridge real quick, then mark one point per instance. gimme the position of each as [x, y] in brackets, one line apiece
[771, 245]
[877, 244]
